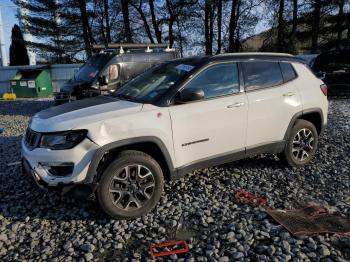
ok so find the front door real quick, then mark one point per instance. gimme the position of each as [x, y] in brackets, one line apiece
[215, 126]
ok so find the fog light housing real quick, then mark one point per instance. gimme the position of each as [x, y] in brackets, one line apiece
[58, 169]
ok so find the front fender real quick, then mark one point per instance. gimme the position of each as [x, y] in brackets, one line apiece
[92, 171]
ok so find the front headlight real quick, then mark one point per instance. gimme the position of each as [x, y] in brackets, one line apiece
[62, 140]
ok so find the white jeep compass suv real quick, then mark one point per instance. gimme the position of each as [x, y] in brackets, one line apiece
[176, 117]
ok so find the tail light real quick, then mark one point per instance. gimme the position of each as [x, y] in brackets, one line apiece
[324, 89]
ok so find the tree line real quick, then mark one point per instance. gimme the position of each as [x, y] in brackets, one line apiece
[64, 30]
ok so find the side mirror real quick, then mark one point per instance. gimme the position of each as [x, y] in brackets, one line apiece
[103, 80]
[190, 94]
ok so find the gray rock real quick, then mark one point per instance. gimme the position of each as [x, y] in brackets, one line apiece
[88, 256]
[67, 246]
[311, 245]
[230, 235]
[324, 251]
[271, 250]
[286, 258]
[3, 237]
[161, 230]
[238, 255]
[88, 248]
[210, 220]
[311, 254]
[224, 259]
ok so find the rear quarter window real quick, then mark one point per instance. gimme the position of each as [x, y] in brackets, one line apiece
[288, 71]
[261, 74]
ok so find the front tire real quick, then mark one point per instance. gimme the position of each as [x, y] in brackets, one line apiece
[131, 185]
[301, 144]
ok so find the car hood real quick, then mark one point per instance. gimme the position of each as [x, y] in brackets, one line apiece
[79, 113]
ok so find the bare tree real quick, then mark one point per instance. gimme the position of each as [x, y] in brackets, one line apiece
[238, 27]
[294, 24]
[315, 25]
[106, 16]
[209, 26]
[138, 8]
[175, 9]
[155, 23]
[86, 27]
[219, 24]
[340, 21]
[127, 28]
[280, 28]
[232, 25]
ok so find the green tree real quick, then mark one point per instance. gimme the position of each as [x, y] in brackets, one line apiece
[18, 49]
[55, 37]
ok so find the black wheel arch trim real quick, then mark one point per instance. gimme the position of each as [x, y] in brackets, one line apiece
[301, 113]
[92, 170]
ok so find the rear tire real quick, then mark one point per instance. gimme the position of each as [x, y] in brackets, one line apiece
[131, 185]
[301, 144]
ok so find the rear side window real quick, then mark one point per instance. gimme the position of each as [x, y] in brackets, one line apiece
[261, 74]
[287, 71]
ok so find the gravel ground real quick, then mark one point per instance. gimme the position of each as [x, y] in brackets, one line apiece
[38, 226]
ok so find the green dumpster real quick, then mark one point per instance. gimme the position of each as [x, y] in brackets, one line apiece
[32, 83]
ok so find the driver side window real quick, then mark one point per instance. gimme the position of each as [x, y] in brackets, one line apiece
[217, 80]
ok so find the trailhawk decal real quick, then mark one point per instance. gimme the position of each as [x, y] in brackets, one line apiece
[195, 142]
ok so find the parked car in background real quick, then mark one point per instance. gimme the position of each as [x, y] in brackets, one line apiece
[114, 65]
[333, 67]
[179, 116]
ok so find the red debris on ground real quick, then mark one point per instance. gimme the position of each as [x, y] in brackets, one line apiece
[161, 250]
[250, 198]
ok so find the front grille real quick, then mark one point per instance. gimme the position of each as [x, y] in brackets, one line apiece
[31, 139]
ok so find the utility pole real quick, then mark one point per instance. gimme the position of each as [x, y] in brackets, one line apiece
[2, 44]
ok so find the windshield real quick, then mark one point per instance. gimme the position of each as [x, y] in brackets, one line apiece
[150, 85]
[86, 73]
[91, 68]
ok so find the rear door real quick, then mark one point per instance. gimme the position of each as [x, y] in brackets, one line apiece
[273, 100]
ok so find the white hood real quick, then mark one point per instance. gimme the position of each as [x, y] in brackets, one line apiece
[72, 115]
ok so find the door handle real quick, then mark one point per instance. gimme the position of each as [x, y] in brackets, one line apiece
[289, 94]
[238, 104]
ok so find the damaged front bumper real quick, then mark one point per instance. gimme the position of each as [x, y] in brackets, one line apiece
[60, 170]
